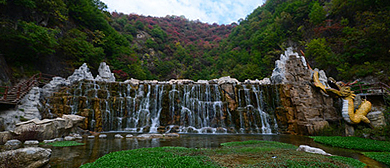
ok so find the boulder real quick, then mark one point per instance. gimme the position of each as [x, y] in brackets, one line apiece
[227, 80]
[31, 142]
[129, 136]
[102, 136]
[149, 136]
[32, 157]
[76, 120]
[309, 149]
[69, 138]
[5, 136]
[49, 141]
[13, 144]
[48, 128]
[59, 139]
[118, 136]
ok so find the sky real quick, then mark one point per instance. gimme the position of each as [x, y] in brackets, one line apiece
[210, 11]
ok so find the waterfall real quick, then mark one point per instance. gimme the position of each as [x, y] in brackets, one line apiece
[159, 107]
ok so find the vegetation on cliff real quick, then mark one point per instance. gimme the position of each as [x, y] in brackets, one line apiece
[349, 39]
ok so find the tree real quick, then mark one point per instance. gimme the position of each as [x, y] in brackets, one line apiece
[317, 14]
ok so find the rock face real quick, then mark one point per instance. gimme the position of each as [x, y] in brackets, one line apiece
[48, 128]
[305, 110]
[28, 109]
[81, 74]
[30, 104]
[376, 118]
[26, 157]
[105, 73]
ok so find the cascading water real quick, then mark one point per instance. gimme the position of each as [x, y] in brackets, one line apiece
[157, 107]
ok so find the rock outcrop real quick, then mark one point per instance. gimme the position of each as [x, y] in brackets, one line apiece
[82, 73]
[304, 110]
[48, 128]
[32, 157]
[105, 73]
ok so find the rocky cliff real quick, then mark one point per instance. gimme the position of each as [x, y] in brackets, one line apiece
[304, 109]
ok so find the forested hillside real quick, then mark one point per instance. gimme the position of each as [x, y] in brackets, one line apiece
[348, 39]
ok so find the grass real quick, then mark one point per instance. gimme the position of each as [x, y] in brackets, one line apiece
[354, 143]
[64, 143]
[383, 157]
[232, 154]
[152, 157]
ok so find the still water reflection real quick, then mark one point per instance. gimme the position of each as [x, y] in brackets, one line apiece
[69, 157]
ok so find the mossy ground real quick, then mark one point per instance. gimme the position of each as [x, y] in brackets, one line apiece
[381, 148]
[233, 154]
[64, 143]
[354, 143]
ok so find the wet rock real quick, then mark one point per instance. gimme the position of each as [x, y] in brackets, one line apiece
[309, 149]
[102, 136]
[133, 81]
[172, 135]
[49, 141]
[69, 138]
[91, 137]
[221, 130]
[265, 81]
[161, 129]
[129, 136]
[118, 136]
[32, 157]
[227, 80]
[13, 144]
[150, 136]
[181, 81]
[59, 139]
[31, 142]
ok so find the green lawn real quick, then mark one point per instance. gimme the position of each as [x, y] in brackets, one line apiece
[383, 157]
[64, 143]
[381, 148]
[354, 143]
[233, 154]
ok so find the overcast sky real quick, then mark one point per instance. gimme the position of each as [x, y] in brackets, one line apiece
[210, 11]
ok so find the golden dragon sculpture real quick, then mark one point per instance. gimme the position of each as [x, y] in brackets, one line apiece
[341, 90]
